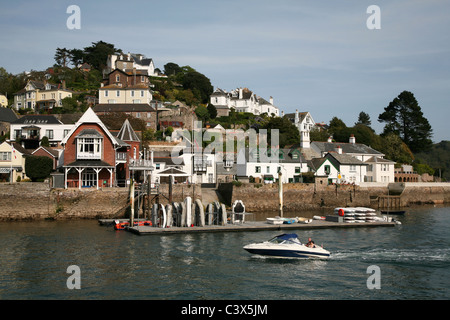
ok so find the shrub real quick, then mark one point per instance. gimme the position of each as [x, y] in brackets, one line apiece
[38, 168]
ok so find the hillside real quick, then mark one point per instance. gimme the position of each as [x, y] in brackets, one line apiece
[438, 158]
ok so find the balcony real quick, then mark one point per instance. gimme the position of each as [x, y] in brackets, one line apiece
[121, 157]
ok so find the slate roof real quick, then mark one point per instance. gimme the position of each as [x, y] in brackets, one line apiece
[7, 115]
[127, 133]
[37, 119]
[353, 148]
[123, 107]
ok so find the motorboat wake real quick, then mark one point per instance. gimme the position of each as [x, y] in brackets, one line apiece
[287, 246]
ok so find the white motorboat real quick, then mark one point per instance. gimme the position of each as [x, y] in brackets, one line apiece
[288, 246]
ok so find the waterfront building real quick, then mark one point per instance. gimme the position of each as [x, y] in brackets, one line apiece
[12, 162]
[93, 156]
[29, 130]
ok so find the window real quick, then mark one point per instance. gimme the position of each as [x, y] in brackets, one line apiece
[132, 93]
[142, 93]
[89, 148]
[117, 78]
[327, 170]
[257, 169]
[118, 93]
[267, 169]
[297, 169]
[106, 93]
[5, 156]
[352, 168]
[66, 132]
[49, 133]
[138, 114]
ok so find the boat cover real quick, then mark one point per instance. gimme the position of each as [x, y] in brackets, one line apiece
[287, 236]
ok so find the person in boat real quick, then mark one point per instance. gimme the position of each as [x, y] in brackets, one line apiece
[310, 243]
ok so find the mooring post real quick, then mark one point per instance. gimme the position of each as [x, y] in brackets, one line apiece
[280, 194]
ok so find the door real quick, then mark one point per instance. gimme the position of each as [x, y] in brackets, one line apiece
[89, 178]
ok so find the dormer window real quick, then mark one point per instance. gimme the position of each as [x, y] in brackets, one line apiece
[89, 145]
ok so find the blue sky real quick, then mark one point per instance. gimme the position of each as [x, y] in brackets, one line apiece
[316, 56]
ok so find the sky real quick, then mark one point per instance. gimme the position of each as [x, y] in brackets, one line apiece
[316, 56]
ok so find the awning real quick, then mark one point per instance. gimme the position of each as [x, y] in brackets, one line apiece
[5, 170]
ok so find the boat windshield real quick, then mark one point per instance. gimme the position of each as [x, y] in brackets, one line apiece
[286, 238]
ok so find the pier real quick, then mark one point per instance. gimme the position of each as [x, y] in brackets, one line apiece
[249, 226]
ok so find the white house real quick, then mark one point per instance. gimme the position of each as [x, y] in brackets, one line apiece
[380, 170]
[304, 123]
[243, 100]
[30, 129]
[131, 61]
[12, 162]
[290, 162]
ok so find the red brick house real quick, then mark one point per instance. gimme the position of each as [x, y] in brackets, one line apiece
[93, 155]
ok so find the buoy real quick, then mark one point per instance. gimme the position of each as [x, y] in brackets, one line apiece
[341, 212]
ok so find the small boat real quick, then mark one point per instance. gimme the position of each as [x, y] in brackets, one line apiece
[238, 207]
[319, 218]
[287, 246]
[304, 220]
[275, 220]
[121, 225]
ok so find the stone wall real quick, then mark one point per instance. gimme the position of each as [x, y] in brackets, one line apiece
[34, 201]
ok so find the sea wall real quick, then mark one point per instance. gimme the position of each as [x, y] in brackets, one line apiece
[300, 196]
[34, 201]
[31, 201]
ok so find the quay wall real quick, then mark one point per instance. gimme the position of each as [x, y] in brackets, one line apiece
[299, 196]
[34, 201]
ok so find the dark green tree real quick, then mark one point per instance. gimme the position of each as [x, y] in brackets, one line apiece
[199, 84]
[97, 54]
[171, 69]
[364, 119]
[202, 113]
[404, 117]
[288, 132]
[212, 111]
[38, 168]
[62, 57]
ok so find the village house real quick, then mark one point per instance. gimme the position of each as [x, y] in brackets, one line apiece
[12, 162]
[304, 123]
[30, 129]
[40, 96]
[242, 100]
[93, 156]
[131, 61]
[265, 167]
[53, 154]
[3, 101]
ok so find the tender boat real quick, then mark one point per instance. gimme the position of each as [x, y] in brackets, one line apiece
[121, 225]
[288, 246]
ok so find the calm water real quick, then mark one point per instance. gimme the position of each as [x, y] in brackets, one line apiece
[414, 260]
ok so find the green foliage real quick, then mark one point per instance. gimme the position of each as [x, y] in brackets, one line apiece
[437, 158]
[38, 168]
[202, 113]
[404, 117]
[212, 111]
[45, 142]
[364, 119]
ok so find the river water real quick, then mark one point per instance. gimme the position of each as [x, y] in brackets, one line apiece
[412, 259]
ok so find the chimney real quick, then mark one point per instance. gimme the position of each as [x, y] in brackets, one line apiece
[339, 150]
[282, 114]
[352, 139]
[240, 93]
[271, 100]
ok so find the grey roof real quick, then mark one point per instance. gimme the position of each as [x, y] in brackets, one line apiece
[7, 115]
[345, 159]
[353, 148]
[378, 159]
[122, 107]
[89, 133]
[37, 119]
[127, 133]
[89, 163]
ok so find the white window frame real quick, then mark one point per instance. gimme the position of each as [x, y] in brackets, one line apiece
[89, 148]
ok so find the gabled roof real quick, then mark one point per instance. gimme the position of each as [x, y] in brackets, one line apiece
[90, 117]
[54, 153]
[345, 159]
[127, 133]
[352, 148]
[7, 115]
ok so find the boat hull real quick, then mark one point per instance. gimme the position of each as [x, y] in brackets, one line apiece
[287, 252]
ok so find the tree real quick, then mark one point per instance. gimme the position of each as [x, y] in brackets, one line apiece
[404, 117]
[364, 119]
[202, 113]
[171, 69]
[288, 132]
[38, 168]
[62, 56]
[97, 54]
[212, 111]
